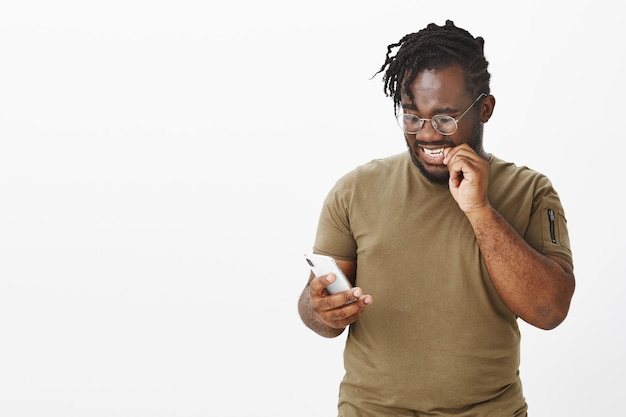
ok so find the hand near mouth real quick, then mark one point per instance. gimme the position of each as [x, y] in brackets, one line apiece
[469, 177]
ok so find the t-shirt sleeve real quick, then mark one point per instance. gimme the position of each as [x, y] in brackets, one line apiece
[334, 236]
[547, 230]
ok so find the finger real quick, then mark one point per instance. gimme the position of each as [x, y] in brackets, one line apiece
[356, 306]
[455, 169]
[348, 313]
[330, 302]
[458, 154]
[364, 301]
[468, 166]
[462, 163]
[318, 284]
[452, 161]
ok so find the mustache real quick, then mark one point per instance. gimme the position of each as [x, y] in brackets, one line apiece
[441, 143]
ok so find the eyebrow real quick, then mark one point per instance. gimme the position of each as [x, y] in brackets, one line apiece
[443, 110]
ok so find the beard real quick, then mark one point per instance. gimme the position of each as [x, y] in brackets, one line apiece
[443, 176]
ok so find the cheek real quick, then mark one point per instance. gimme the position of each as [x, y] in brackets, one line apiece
[466, 132]
[457, 138]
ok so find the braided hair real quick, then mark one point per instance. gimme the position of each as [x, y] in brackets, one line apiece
[435, 47]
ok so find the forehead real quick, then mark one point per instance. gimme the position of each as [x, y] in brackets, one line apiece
[444, 85]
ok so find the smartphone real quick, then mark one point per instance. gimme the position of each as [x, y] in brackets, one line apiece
[322, 265]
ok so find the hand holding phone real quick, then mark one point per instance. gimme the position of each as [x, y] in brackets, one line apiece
[322, 265]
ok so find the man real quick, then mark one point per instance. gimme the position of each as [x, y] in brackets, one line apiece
[447, 247]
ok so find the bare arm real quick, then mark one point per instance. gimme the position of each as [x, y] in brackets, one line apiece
[328, 315]
[535, 287]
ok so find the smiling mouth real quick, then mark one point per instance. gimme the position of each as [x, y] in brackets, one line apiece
[434, 153]
[432, 156]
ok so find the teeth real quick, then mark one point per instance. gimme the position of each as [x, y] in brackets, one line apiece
[434, 152]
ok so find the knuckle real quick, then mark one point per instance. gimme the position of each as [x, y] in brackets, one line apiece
[327, 303]
[316, 284]
[339, 315]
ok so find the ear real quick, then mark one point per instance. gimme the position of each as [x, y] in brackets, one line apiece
[486, 109]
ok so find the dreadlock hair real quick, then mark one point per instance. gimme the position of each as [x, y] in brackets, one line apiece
[435, 47]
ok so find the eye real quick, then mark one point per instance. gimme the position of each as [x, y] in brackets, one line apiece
[411, 119]
[444, 124]
[444, 121]
[441, 119]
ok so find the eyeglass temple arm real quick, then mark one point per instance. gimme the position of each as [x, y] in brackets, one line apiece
[472, 105]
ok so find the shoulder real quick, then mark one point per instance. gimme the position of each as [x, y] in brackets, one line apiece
[380, 168]
[370, 178]
[509, 174]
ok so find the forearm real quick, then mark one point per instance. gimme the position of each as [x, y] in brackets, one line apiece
[533, 286]
[311, 320]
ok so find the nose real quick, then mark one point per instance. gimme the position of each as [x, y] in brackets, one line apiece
[428, 133]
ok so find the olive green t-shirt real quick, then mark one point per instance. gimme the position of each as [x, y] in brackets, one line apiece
[438, 336]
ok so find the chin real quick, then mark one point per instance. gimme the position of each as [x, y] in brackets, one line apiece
[437, 176]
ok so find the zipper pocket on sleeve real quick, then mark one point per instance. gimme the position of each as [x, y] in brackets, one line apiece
[551, 221]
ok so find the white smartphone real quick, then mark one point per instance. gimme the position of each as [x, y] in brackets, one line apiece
[322, 265]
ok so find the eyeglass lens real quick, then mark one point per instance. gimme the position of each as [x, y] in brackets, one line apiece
[411, 124]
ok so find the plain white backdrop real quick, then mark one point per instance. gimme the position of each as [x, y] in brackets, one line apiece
[162, 167]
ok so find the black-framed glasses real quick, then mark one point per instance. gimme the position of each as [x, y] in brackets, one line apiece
[446, 125]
